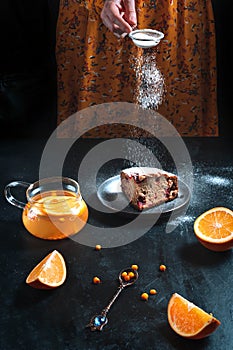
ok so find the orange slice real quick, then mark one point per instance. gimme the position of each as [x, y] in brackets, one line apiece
[60, 205]
[188, 320]
[49, 273]
[214, 229]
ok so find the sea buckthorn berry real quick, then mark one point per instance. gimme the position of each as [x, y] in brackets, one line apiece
[124, 274]
[134, 267]
[126, 278]
[162, 267]
[153, 292]
[131, 274]
[96, 280]
[98, 247]
[144, 296]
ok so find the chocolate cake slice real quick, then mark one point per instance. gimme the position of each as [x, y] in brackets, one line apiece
[147, 187]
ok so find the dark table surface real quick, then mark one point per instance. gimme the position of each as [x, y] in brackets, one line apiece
[35, 319]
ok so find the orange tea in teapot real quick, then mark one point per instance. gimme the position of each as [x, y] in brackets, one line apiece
[55, 215]
[52, 213]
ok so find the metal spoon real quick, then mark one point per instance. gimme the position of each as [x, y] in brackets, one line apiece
[98, 321]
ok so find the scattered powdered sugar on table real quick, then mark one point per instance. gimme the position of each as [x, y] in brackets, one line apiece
[186, 219]
[216, 180]
[182, 224]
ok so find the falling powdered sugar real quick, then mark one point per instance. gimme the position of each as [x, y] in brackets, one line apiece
[150, 90]
[148, 95]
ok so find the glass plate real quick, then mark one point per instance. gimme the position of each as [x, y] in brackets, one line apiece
[111, 196]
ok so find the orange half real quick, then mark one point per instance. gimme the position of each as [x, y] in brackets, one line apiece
[214, 229]
[188, 320]
[49, 273]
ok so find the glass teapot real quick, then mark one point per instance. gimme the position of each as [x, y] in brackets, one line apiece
[55, 208]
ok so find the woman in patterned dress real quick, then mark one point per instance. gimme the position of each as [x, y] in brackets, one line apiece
[95, 66]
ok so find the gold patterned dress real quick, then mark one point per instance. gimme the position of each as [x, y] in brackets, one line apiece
[95, 67]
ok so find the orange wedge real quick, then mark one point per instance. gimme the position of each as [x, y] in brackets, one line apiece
[214, 229]
[188, 320]
[49, 273]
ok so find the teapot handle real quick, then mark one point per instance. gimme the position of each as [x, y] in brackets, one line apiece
[10, 198]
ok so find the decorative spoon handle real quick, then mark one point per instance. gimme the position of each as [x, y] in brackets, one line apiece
[97, 322]
[107, 308]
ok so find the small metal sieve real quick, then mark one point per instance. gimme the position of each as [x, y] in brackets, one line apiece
[146, 38]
